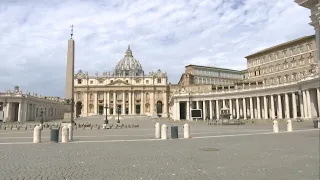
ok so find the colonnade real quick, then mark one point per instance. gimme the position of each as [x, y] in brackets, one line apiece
[298, 104]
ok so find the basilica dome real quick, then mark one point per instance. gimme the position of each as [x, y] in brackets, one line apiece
[128, 65]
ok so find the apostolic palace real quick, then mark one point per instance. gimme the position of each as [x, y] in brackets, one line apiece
[280, 82]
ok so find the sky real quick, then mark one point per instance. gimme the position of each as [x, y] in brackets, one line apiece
[163, 34]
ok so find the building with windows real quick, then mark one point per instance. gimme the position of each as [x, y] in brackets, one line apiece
[282, 83]
[127, 90]
[195, 74]
[16, 106]
[283, 63]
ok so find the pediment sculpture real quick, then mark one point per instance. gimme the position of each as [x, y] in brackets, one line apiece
[119, 82]
[81, 75]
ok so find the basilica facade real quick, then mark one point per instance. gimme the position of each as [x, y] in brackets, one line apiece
[126, 90]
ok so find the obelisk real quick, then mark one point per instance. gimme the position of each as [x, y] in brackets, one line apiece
[69, 88]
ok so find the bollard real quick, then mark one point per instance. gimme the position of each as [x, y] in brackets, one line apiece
[65, 134]
[26, 128]
[275, 126]
[289, 125]
[37, 135]
[70, 131]
[158, 130]
[11, 127]
[164, 131]
[18, 128]
[83, 127]
[186, 131]
[5, 128]
[318, 124]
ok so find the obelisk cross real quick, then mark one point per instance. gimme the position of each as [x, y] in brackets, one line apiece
[71, 30]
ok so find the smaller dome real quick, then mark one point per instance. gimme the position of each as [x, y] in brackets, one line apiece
[128, 66]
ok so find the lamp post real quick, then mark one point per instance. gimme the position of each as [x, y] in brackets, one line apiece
[106, 120]
[118, 110]
[41, 114]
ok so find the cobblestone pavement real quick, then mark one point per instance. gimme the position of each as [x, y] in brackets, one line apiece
[249, 152]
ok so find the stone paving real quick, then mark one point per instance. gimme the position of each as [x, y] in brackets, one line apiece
[250, 152]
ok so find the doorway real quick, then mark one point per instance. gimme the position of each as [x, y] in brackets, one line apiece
[100, 110]
[78, 108]
[138, 109]
[159, 108]
[182, 110]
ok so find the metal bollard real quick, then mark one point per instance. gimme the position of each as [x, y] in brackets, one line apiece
[37, 134]
[65, 134]
[70, 127]
[158, 131]
[289, 125]
[164, 131]
[275, 126]
[186, 131]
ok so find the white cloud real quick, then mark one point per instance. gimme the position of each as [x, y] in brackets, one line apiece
[165, 34]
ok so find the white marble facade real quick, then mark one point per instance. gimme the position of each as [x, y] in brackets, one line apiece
[126, 89]
[18, 107]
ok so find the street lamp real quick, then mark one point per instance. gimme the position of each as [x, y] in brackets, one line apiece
[41, 114]
[106, 120]
[119, 109]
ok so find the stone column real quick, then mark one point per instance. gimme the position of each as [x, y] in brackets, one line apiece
[130, 102]
[244, 105]
[286, 98]
[217, 109]
[95, 110]
[197, 104]
[272, 107]
[204, 108]
[237, 108]
[279, 107]
[210, 109]
[318, 99]
[104, 102]
[123, 103]
[19, 112]
[165, 104]
[152, 103]
[300, 94]
[230, 108]
[85, 104]
[258, 108]
[142, 103]
[114, 103]
[188, 111]
[308, 104]
[108, 102]
[7, 114]
[133, 103]
[251, 108]
[223, 103]
[177, 110]
[265, 107]
[294, 105]
[305, 107]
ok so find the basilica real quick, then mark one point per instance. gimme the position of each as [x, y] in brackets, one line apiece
[127, 90]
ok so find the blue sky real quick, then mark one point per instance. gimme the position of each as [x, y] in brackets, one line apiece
[165, 34]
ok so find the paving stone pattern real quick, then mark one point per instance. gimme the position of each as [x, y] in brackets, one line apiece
[283, 156]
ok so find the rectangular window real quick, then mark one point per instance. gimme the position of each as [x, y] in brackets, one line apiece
[159, 80]
[91, 82]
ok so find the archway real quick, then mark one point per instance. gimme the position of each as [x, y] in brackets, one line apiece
[159, 107]
[78, 108]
